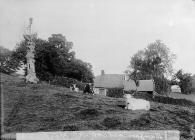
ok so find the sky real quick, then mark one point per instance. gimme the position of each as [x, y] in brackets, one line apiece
[106, 33]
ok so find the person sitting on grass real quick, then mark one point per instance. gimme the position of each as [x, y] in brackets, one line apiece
[75, 88]
[87, 89]
[92, 91]
[72, 88]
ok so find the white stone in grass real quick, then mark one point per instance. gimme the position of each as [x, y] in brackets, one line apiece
[136, 104]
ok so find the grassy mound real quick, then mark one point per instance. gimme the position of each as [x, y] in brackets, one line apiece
[44, 107]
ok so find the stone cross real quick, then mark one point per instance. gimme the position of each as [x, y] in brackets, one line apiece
[31, 74]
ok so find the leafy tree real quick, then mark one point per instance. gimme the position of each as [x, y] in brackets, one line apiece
[7, 63]
[154, 61]
[162, 85]
[63, 46]
[134, 76]
[85, 70]
[55, 58]
[161, 58]
[184, 80]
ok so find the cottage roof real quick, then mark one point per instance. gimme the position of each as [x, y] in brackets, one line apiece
[146, 85]
[109, 81]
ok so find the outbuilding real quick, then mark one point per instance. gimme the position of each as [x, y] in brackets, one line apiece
[104, 82]
[175, 89]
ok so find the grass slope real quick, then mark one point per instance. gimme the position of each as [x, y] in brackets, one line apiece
[43, 107]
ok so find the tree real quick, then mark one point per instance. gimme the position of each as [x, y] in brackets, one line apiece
[63, 46]
[134, 76]
[184, 80]
[54, 57]
[154, 62]
[7, 63]
[84, 70]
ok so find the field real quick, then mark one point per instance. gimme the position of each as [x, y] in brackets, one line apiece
[44, 107]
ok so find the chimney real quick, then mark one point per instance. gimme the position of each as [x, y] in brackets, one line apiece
[102, 72]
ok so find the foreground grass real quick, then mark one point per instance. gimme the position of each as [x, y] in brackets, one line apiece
[43, 107]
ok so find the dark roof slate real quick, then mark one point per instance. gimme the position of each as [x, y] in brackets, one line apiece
[109, 81]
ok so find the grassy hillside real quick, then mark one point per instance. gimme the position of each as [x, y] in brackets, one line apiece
[43, 107]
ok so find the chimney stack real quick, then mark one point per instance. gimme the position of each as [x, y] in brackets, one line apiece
[102, 72]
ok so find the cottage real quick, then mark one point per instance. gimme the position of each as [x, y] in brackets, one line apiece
[104, 82]
[129, 85]
[146, 85]
[143, 85]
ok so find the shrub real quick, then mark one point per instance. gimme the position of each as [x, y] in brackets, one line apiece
[67, 82]
[162, 85]
[115, 92]
[130, 92]
[8, 65]
[185, 81]
[143, 95]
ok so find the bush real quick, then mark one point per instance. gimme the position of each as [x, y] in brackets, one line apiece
[8, 65]
[115, 92]
[185, 81]
[67, 82]
[130, 92]
[162, 85]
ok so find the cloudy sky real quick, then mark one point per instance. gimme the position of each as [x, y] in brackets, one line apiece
[106, 33]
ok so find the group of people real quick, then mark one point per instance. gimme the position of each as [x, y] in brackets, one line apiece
[74, 87]
[88, 89]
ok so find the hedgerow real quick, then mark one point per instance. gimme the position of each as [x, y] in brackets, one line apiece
[67, 82]
[115, 92]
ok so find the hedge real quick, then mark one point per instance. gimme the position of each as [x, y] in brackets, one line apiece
[115, 92]
[162, 85]
[67, 82]
[163, 99]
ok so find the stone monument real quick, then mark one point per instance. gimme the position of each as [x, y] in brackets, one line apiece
[30, 37]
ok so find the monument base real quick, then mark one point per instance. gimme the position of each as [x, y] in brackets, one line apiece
[32, 78]
[101, 135]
